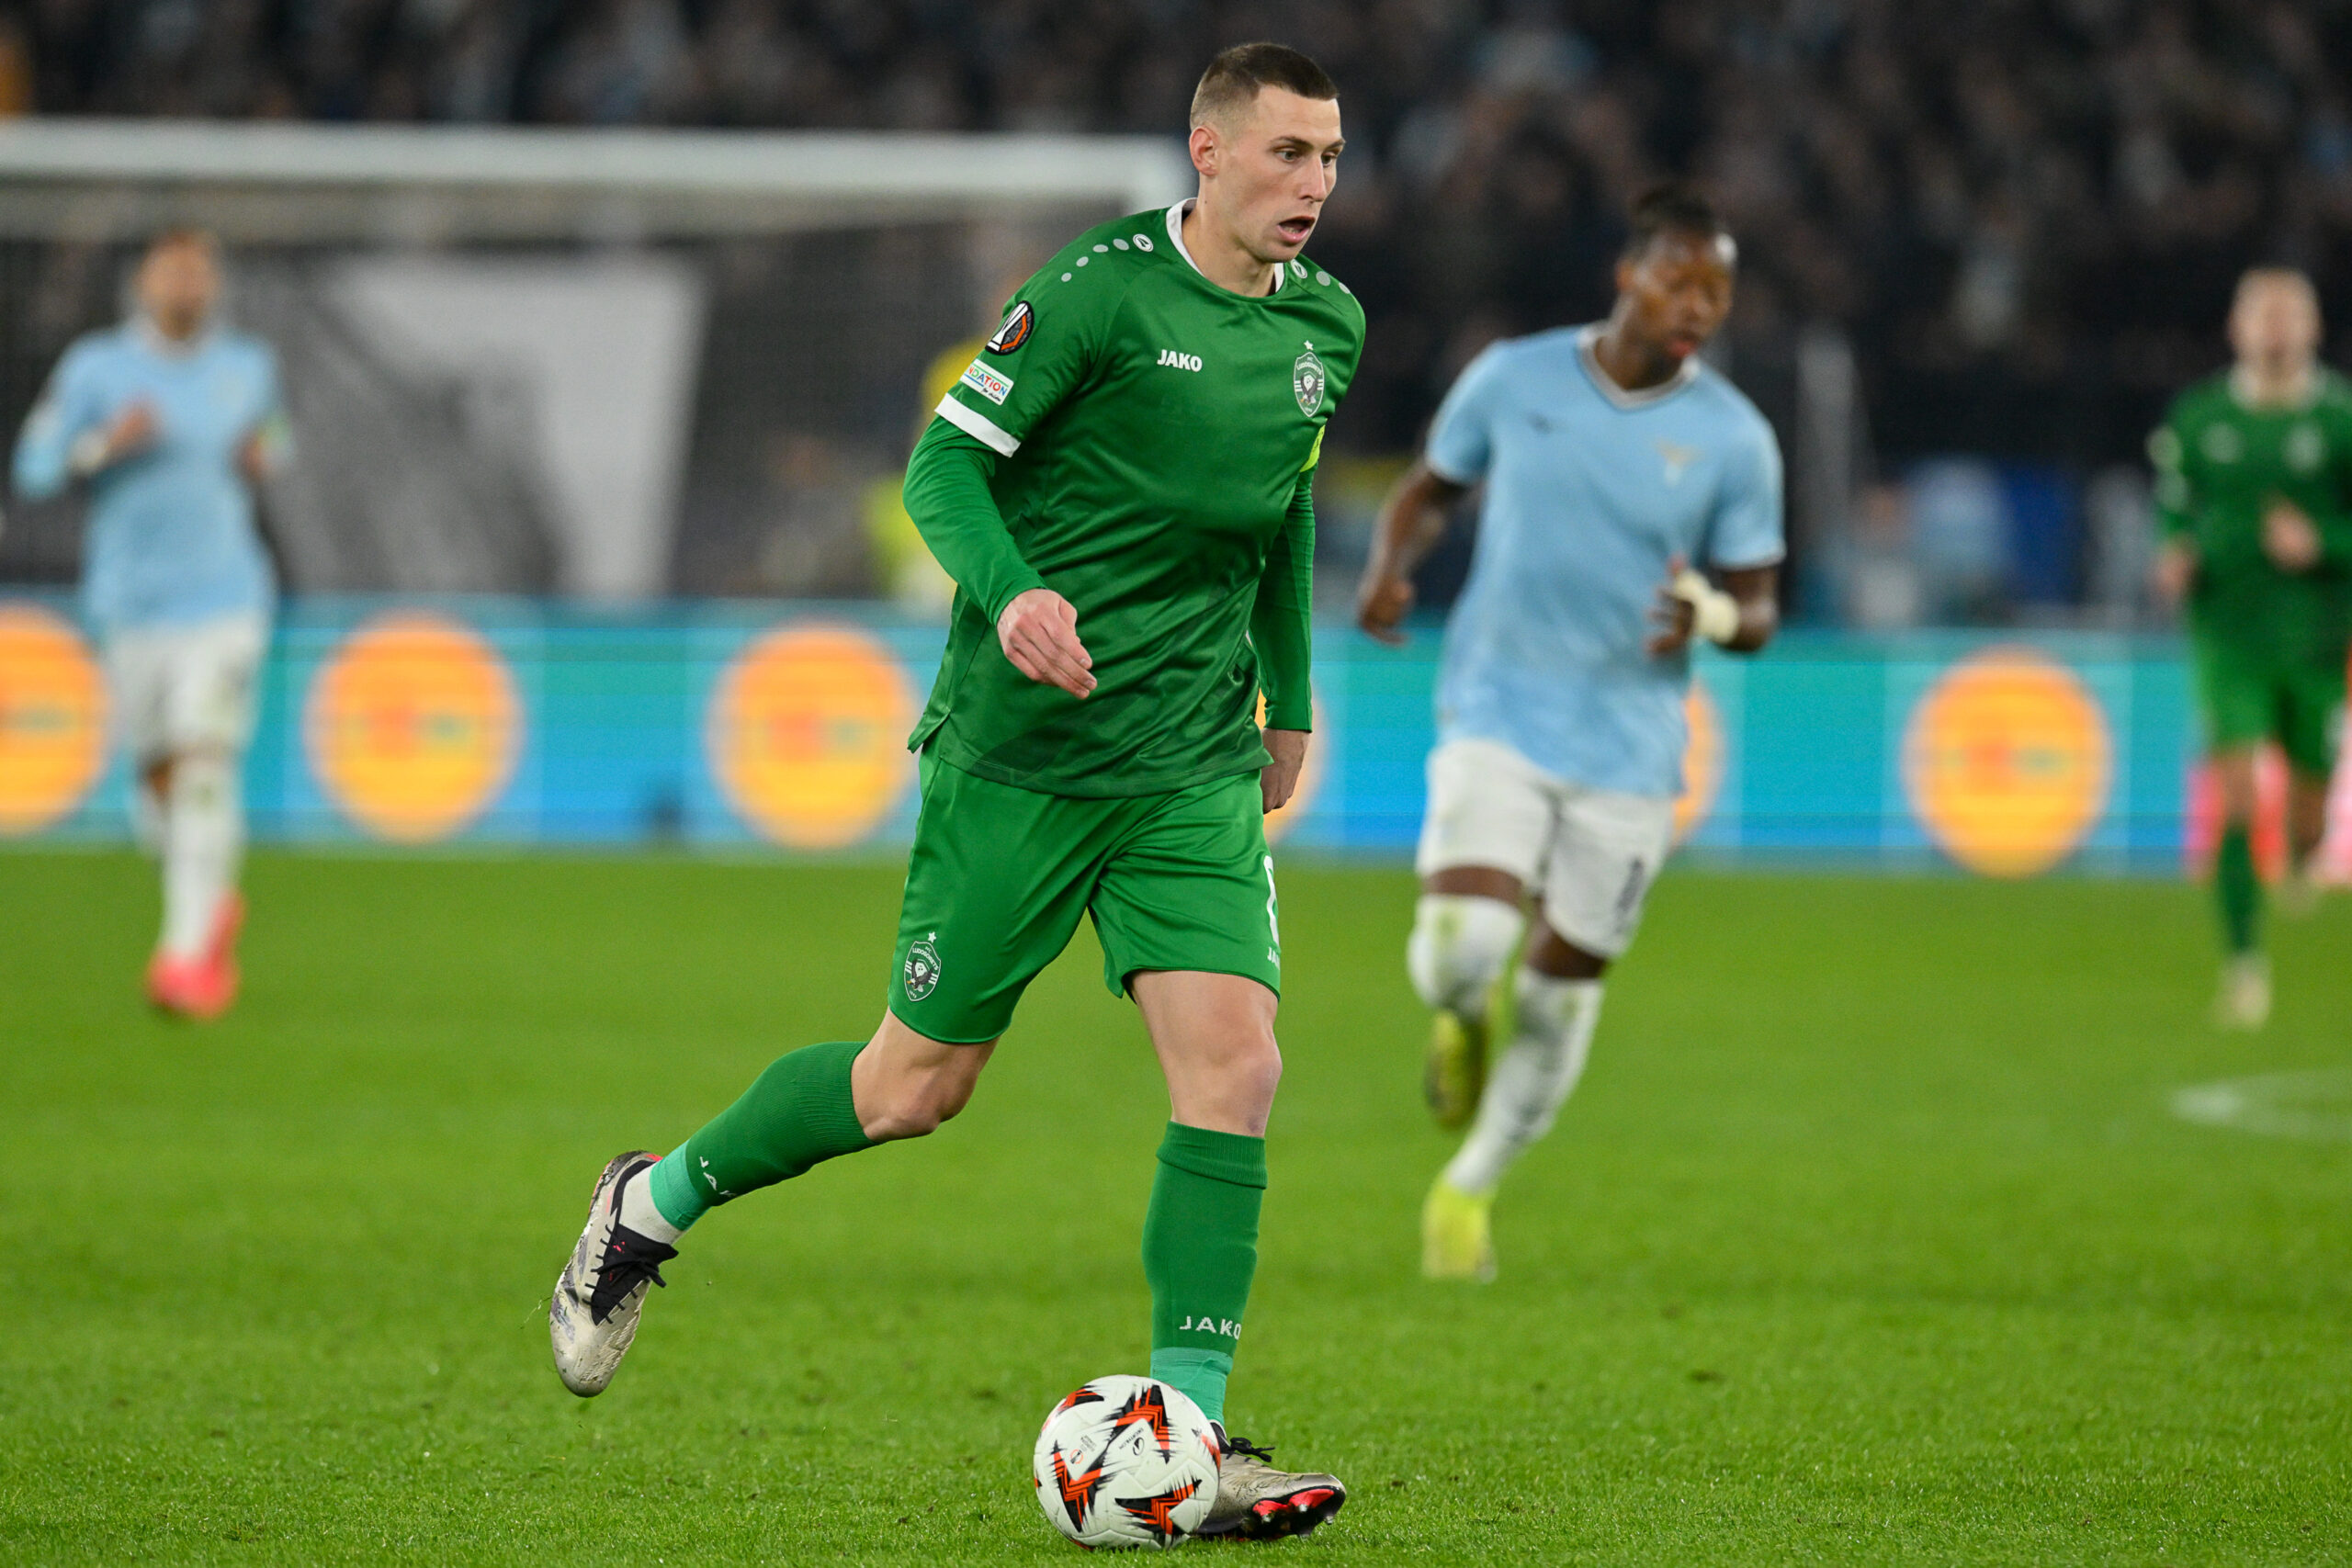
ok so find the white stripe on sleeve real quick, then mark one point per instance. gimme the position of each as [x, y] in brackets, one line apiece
[977, 425]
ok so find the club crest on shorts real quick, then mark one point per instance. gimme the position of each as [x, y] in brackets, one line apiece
[1307, 379]
[1015, 331]
[921, 971]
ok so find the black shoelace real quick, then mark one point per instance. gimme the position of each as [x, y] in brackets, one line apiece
[1244, 1446]
[630, 1260]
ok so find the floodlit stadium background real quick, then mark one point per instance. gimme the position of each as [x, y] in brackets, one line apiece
[606, 328]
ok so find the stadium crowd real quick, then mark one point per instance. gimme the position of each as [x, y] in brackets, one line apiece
[2027, 211]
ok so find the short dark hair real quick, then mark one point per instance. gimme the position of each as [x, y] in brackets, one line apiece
[1236, 76]
[1673, 207]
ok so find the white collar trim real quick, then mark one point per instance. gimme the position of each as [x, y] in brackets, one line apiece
[1622, 398]
[1176, 238]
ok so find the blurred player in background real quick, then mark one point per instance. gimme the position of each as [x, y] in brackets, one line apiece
[1121, 484]
[171, 420]
[1613, 461]
[2254, 497]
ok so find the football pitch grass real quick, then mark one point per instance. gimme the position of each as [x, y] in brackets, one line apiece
[1871, 1237]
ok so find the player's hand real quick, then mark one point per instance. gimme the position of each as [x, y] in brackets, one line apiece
[252, 458]
[1382, 599]
[2174, 571]
[1278, 780]
[2289, 535]
[133, 431]
[1039, 632]
[1671, 616]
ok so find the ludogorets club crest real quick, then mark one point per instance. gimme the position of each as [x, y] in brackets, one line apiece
[922, 969]
[1307, 379]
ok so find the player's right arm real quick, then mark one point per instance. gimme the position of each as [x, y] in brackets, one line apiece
[1037, 358]
[69, 435]
[2176, 497]
[1412, 520]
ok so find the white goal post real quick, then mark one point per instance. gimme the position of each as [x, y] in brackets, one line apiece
[118, 179]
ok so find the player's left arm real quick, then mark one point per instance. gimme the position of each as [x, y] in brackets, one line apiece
[1280, 629]
[1745, 543]
[269, 446]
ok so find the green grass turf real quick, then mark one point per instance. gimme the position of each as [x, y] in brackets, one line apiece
[1869, 1238]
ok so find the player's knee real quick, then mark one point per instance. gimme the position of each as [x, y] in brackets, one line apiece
[1460, 946]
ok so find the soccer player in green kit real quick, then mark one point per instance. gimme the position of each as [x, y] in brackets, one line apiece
[1120, 486]
[2254, 495]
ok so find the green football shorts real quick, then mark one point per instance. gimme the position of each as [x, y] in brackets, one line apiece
[2250, 696]
[999, 876]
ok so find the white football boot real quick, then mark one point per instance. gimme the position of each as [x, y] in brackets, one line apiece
[593, 1315]
[2245, 999]
[1257, 1502]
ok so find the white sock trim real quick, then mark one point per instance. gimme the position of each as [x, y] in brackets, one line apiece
[1527, 1086]
[638, 1213]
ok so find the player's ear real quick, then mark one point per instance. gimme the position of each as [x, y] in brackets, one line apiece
[1205, 149]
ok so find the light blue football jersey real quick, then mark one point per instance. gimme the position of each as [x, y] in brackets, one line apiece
[171, 538]
[1590, 492]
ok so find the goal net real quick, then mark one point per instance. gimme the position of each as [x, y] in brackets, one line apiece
[611, 364]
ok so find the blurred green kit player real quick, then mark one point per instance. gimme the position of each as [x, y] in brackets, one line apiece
[2254, 492]
[1120, 486]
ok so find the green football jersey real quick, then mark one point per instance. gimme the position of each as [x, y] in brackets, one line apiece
[1152, 438]
[2220, 464]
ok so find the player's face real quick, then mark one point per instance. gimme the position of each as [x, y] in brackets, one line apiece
[1271, 174]
[2275, 322]
[1678, 291]
[177, 287]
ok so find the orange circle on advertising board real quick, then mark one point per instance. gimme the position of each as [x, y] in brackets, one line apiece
[2007, 762]
[807, 734]
[1702, 761]
[413, 725]
[1310, 774]
[52, 719]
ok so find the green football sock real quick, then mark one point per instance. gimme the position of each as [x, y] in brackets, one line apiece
[2239, 889]
[797, 1113]
[1200, 1248]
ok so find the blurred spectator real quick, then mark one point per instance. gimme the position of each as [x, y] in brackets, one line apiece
[2024, 215]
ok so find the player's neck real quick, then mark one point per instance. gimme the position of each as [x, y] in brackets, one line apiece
[164, 341]
[1634, 367]
[2260, 386]
[1220, 258]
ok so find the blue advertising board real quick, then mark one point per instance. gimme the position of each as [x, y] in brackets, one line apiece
[781, 726]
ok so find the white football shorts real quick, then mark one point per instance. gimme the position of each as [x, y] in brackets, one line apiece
[186, 688]
[1590, 855]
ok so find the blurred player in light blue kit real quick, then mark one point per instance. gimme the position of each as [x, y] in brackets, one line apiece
[170, 420]
[1620, 473]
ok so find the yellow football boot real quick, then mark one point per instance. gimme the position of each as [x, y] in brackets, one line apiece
[1455, 1073]
[1457, 1241]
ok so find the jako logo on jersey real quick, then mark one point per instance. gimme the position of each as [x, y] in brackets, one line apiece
[1224, 1326]
[1307, 380]
[1181, 360]
[1015, 331]
[993, 384]
[1676, 459]
[922, 967]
